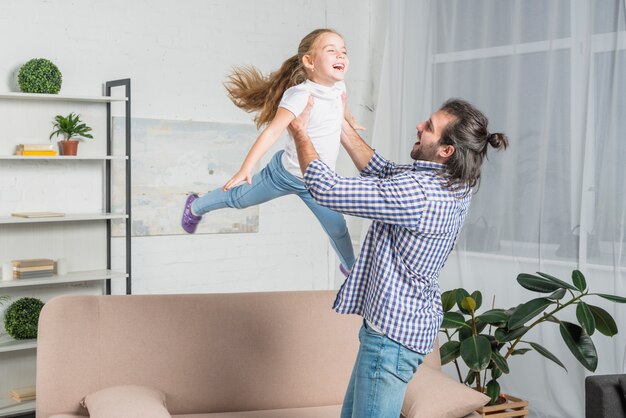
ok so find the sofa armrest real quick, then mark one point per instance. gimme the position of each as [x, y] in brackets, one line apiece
[604, 396]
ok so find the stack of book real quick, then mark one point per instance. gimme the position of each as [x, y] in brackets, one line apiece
[37, 267]
[35, 149]
[23, 394]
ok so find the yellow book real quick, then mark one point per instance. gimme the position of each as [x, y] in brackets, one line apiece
[39, 152]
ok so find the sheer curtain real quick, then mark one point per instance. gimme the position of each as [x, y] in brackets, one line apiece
[552, 75]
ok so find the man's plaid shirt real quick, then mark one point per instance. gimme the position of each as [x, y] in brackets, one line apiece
[416, 217]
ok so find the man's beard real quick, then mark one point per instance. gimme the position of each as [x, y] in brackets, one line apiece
[424, 154]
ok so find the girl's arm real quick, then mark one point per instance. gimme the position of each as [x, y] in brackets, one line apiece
[357, 148]
[350, 118]
[263, 143]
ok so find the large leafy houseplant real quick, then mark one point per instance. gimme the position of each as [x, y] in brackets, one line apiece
[484, 342]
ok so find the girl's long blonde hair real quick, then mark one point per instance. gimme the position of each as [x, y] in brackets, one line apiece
[251, 91]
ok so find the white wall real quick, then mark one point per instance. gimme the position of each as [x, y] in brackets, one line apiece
[177, 55]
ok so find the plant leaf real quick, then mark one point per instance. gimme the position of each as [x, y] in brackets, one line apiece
[448, 299]
[605, 323]
[585, 317]
[527, 311]
[493, 391]
[476, 352]
[453, 320]
[493, 316]
[520, 351]
[536, 283]
[579, 280]
[560, 282]
[557, 295]
[478, 298]
[469, 304]
[613, 298]
[500, 361]
[541, 350]
[449, 351]
[580, 344]
[468, 331]
[470, 378]
[460, 295]
[504, 335]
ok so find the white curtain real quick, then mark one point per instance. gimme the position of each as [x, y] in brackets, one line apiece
[552, 75]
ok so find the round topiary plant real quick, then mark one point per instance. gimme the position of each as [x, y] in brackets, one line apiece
[39, 75]
[21, 318]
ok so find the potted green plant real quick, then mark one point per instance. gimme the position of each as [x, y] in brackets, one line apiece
[39, 75]
[485, 341]
[69, 127]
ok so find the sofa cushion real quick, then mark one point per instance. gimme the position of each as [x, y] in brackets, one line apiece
[128, 401]
[433, 394]
[332, 411]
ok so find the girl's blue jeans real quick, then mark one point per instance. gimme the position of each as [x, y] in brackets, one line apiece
[272, 182]
[378, 383]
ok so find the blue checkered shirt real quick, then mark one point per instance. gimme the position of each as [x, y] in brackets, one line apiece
[416, 217]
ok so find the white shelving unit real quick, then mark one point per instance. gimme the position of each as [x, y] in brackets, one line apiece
[70, 217]
[62, 157]
[83, 237]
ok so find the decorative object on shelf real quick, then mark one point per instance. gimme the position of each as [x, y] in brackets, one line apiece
[62, 266]
[39, 75]
[7, 272]
[21, 318]
[480, 338]
[70, 126]
[35, 150]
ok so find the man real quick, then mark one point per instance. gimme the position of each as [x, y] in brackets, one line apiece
[417, 212]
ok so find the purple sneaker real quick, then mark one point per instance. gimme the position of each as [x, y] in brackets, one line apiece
[344, 270]
[190, 221]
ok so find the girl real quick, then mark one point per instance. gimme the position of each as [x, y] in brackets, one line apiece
[317, 70]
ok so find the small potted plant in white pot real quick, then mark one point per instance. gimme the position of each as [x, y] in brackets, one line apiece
[69, 127]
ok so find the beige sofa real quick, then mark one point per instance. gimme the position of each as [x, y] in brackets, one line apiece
[250, 355]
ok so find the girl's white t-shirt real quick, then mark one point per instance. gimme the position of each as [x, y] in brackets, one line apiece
[324, 123]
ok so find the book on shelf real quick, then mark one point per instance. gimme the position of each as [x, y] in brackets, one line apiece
[32, 262]
[23, 394]
[38, 153]
[32, 269]
[35, 149]
[33, 274]
[38, 214]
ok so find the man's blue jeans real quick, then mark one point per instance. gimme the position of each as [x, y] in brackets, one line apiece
[379, 378]
[272, 182]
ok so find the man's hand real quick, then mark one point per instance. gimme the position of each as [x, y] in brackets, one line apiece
[298, 127]
[298, 130]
